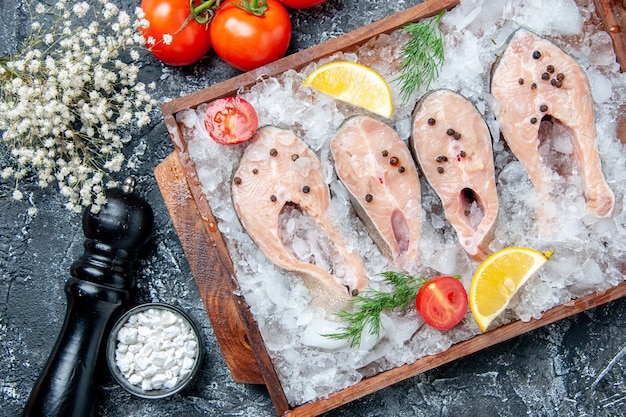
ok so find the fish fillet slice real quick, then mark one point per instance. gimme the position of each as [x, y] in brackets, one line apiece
[534, 80]
[279, 170]
[376, 167]
[452, 145]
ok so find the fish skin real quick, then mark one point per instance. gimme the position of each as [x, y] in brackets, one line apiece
[285, 178]
[474, 171]
[572, 105]
[393, 217]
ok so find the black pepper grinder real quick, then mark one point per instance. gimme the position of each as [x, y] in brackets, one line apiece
[100, 285]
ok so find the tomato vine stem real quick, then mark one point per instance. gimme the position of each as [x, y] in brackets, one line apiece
[201, 14]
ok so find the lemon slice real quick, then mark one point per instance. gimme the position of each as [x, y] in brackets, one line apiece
[499, 277]
[355, 84]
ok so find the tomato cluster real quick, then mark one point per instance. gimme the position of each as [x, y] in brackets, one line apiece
[244, 33]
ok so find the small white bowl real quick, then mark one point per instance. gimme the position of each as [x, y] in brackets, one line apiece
[161, 371]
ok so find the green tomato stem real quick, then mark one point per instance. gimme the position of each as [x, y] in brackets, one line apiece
[255, 7]
[202, 13]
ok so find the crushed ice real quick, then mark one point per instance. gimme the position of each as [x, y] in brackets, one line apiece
[588, 251]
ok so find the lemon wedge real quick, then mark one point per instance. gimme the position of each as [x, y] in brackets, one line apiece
[355, 84]
[498, 278]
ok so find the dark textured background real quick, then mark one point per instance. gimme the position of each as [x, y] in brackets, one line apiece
[575, 367]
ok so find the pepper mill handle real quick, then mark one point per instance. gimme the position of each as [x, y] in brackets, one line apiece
[99, 286]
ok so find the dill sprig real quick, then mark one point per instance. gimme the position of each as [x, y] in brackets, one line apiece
[370, 303]
[422, 56]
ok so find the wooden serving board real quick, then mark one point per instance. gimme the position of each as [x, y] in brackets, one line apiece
[236, 331]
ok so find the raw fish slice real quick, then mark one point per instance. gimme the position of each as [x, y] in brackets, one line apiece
[534, 80]
[279, 173]
[376, 167]
[452, 145]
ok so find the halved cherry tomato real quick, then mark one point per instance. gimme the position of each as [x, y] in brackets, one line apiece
[247, 41]
[442, 302]
[231, 120]
[301, 4]
[172, 36]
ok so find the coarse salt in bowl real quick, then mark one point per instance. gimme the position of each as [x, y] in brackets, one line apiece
[154, 350]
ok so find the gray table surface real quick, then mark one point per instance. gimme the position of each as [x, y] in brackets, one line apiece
[575, 367]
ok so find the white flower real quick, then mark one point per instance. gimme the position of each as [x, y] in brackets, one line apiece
[124, 19]
[17, 195]
[7, 173]
[110, 10]
[167, 38]
[80, 9]
[79, 81]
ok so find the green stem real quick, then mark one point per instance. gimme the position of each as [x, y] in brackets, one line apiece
[254, 7]
[8, 70]
[202, 13]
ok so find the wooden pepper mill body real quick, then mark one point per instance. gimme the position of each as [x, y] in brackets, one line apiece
[100, 285]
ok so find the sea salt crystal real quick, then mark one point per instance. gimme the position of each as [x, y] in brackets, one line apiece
[127, 335]
[150, 359]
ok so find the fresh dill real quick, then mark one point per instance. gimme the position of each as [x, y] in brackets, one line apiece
[370, 303]
[422, 55]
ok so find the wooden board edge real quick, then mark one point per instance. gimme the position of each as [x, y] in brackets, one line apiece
[456, 351]
[235, 329]
[613, 16]
[216, 292]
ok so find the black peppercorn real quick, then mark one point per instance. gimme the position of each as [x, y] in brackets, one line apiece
[273, 152]
[237, 180]
[393, 161]
[543, 108]
[463, 154]
[431, 121]
[536, 55]
[550, 69]
[450, 132]
[560, 76]
[306, 189]
[255, 171]
[295, 156]
[385, 153]
[545, 76]
[441, 158]
[533, 120]
[456, 136]
[401, 170]
[533, 86]
[368, 198]
[553, 82]
[273, 198]
[440, 170]
[520, 81]
[558, 84]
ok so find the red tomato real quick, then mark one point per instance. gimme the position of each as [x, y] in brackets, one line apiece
[442, 302]
[246, 41]
[301, 4]
[164, 36]
[231, 120]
